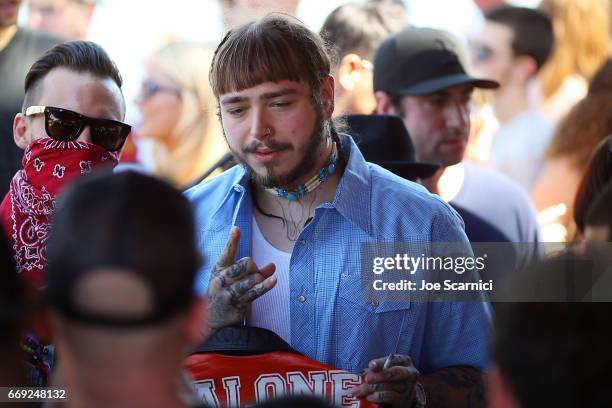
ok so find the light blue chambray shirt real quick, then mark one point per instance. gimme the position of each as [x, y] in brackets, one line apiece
[330, 321]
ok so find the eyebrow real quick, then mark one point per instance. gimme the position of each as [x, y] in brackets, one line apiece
[282, 92]
[264, 97]
[232, 99]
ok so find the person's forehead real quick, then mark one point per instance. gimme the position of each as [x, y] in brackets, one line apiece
[455, 90]
[81, 92]
[265, 89]
[48, 4]
[496, 33]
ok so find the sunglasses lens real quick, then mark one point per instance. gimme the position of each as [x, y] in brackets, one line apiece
[62, 125]
[110, 136]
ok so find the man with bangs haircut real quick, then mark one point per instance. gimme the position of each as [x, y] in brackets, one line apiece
[298, 208]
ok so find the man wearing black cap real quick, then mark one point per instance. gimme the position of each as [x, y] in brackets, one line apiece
[121, 292]
[420, 74]
[383, 140]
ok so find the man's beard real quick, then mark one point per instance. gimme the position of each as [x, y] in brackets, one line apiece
[290, 178]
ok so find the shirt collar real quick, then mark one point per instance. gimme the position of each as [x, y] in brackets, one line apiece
[352, 198]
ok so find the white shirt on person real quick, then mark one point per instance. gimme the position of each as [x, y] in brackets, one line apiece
[271, 311]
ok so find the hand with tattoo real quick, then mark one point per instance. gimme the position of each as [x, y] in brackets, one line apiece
[235, 284]
[393, 386]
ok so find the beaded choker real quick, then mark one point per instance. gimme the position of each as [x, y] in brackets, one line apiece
[315, 181]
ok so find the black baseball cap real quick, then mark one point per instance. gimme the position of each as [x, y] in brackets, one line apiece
[122, 252]
[384, 140]
[420, 61]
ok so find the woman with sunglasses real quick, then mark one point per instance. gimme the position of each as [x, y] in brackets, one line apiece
[178, 113]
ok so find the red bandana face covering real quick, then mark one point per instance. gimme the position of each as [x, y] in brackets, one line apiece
[48, 165]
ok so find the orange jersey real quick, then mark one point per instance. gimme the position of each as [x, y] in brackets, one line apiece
[236, 381]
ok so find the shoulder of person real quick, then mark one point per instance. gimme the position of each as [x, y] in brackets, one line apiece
[410, 206]
[389, 189]
[507, 191]
[212, 191]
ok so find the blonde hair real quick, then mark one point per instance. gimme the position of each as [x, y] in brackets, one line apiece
[582, 38]
[197, 138]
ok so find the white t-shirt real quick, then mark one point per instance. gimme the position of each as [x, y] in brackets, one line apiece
[271, 311]
[518, 148]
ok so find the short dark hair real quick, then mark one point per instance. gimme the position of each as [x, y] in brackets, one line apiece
[79, 56]
[277, 47]
[532, 31]
[127, 220]
[360, 28]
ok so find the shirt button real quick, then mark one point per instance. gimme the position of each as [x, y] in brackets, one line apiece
[303, 241]
[375, 302]
[301, 298]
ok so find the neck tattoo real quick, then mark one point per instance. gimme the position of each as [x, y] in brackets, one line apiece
[293, 225]
[295, 220]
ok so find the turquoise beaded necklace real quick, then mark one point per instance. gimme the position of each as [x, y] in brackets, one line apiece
[315, 181]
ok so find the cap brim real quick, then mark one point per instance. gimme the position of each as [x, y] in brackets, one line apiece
[410, 171]
[435, 85]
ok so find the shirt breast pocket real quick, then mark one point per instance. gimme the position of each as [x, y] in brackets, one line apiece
[369, 328]
[211, 243]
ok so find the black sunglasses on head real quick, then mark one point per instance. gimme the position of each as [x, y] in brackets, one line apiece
[66, 125]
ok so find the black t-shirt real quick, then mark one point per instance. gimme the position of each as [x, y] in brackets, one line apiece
[15, 61]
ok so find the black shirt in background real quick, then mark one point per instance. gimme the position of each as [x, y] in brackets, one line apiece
[15, 61]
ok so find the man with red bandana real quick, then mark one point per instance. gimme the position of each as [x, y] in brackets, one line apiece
[69, 126]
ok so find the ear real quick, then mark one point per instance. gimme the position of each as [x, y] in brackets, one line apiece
[383, 103]
[195, 327]
[21, 133]
[525, 68]
[499, 393]
[89, 11]
[327, 96]
[349, 71]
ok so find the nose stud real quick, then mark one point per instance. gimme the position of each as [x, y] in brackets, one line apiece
[267, 132]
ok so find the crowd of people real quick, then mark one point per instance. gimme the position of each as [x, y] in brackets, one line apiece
[231, 268]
